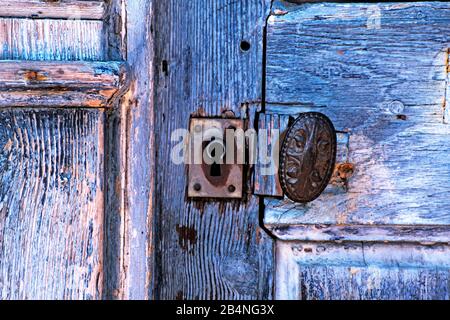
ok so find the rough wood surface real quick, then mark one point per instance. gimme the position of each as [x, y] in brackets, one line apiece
[384, 86]
[51, 204]
[52, 84]
[206, 249]
[49, 39]
[52, 174]
[130, 157]
[313, 271]
[55, 9]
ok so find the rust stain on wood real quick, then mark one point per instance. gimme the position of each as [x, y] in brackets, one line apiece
[34, 75]
[186, 236]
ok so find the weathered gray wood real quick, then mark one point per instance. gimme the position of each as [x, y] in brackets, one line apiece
[50, 39]
[129, 246]
[51, 204]
[310, 271]
[206, 249]
[51, 83]
[385, 87]
[55, 9]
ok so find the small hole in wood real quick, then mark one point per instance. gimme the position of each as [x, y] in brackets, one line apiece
[245, 45]
[165, 67]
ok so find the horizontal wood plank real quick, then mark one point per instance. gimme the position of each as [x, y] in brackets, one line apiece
[49, 39]
[385, 86]
[70, 84]
[56, 9]
[338, 233]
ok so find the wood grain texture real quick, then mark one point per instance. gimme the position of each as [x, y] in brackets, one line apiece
[324, 271]
[385, 87]
[28, 39]
[55, 9]
[206, 249]
[51, 204]
[52, 175]
[129, 247]
[51, 84]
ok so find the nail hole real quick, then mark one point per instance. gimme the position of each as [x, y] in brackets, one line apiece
[165, 67]
[245, 45]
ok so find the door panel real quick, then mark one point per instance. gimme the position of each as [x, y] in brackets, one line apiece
[379, 72]
[368, 271]
[51, 204]
[51, 39]
[51, 169]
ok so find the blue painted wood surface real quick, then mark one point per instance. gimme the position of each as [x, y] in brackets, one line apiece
[379, 71]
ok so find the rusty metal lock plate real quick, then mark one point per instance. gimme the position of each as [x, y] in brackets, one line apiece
[307, 158]
[208, 178]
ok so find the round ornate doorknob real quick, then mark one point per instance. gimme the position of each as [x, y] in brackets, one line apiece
[307, 157]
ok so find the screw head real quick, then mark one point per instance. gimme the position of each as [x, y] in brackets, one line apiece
[231, 188]
[197, 187]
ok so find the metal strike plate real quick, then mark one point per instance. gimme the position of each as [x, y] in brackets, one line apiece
[307, 157]
[214, 167]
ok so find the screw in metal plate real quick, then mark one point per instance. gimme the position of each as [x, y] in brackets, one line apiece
[231, 188]
[198, 128]
[197, 187]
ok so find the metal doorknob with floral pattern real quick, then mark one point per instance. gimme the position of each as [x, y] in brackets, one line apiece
[307, 157]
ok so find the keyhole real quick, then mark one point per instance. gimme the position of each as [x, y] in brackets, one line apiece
[215, 151]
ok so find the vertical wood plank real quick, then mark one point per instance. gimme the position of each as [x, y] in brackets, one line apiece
[214, 249]
[130, 156]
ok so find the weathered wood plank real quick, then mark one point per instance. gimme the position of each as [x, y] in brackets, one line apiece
[339, 233]
[310, 271]
[206, 249]
[385, 87]
[51, 204]
[55, 9]
[51, 83]
[27, 39]
[130, 153]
